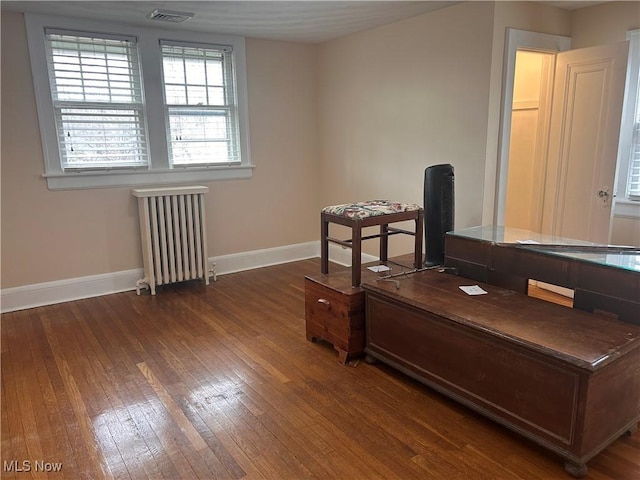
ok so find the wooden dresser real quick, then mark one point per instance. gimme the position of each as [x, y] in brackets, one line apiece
[564, 378]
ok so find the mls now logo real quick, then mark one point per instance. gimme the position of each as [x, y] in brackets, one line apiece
[28, 466]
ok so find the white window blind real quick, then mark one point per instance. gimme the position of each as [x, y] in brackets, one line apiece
[97, 99]
[201, 104]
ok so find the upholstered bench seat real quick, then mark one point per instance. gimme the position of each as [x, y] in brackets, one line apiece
[365, 214]
[370, 208]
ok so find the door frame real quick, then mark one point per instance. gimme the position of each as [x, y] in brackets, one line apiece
[516, 40]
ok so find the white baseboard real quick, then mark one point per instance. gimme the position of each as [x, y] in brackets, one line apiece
[58, 291]
[342, 255]
[238, 262]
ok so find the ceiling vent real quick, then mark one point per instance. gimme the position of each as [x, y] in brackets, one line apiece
[169, 16]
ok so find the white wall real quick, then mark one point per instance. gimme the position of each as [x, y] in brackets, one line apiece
[54, 235]
[396, 99]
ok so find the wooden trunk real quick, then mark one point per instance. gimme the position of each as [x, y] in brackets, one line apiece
[568, 380]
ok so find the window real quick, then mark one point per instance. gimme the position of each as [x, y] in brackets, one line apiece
[200, 101]
[123, 106]
[633, 180]
[97, 101]
[628, 184]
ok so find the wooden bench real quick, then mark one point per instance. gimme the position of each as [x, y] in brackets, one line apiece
[564, 378]
[366, 214]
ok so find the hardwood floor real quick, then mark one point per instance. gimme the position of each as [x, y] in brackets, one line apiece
[219, 382]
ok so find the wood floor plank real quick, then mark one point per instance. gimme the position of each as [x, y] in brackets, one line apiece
[195, 374]
[129, 418]
[172, 451]
[56, 402]
[46, 407]
[178, 416]
[219, 381]
[14, 447]
[89, 458]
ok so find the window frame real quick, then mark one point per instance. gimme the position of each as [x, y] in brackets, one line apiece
[158, 170]
[626, 205]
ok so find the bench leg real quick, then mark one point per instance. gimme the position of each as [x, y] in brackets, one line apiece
[324, 244]
[384, 242]
[356, 254]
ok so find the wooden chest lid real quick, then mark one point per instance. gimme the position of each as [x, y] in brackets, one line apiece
[576, 337]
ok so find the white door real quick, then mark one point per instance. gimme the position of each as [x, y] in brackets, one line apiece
[583, 142]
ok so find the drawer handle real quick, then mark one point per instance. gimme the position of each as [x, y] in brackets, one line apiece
[325, 302]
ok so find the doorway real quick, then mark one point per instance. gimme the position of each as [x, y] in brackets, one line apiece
[528, 147]
[530, 116]
[517, 40]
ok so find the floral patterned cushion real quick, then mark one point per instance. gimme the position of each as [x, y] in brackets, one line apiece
[370, 208]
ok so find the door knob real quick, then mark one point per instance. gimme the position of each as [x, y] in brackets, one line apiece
[604, 196]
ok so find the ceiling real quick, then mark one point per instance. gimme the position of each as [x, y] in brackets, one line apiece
[301, 21]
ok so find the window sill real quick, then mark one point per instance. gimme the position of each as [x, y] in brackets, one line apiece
[626, 208]
[134, 178]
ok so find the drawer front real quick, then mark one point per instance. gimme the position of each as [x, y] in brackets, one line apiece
[353, 300]
[523, 389]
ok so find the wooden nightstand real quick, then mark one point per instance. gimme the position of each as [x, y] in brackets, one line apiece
[334, 311]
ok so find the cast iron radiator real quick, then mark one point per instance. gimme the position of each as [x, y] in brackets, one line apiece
[173, 234]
